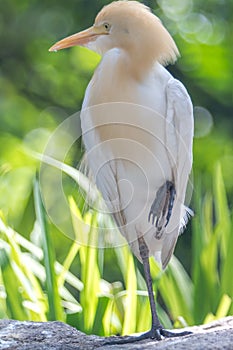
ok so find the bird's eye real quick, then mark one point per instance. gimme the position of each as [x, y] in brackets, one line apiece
[107, 26]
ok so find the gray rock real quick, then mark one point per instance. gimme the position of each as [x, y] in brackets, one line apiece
[17, 335]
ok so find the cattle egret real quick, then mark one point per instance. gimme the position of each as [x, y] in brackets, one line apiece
[137, 126]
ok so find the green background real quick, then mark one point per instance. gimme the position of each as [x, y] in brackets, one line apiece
[39, 90]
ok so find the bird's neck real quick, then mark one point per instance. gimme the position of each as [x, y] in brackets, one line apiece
[136, 64]
[141, 69]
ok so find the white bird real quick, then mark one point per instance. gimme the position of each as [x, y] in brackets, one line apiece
[137, 126]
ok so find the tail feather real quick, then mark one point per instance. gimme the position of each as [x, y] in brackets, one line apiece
[187, 213]
[169, 242]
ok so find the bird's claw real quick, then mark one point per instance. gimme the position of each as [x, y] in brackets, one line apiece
[154, 333]
[169, 334]
[160, 333]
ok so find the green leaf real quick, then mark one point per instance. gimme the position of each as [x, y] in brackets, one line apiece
[55, 311]
[176, 289]
[130, 302]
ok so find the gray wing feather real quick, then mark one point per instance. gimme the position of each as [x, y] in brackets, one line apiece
[179, 137]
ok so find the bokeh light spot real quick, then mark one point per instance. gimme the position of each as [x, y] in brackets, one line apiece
[203, 121]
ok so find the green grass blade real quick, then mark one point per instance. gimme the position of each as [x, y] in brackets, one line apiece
[176, 289]
[86, 227]
[221, 211]
[90, 274]
[143, 313]
[14, 299]
[98, 326]
[130, 310]
[73, 251]
[226, 276]
[27, 286]
[55, 311]
[224, 306]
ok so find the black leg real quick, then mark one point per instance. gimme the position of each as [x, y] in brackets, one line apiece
[157, 331]
[144, 253]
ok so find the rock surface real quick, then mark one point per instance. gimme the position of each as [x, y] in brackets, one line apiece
[16, 335]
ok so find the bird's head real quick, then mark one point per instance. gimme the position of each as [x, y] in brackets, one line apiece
[127, 25]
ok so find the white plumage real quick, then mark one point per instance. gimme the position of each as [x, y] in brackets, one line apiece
[152, 128]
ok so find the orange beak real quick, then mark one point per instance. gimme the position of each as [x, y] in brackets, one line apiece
[80, 38]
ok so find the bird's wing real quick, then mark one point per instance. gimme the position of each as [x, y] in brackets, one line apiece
[179, 137]
[179, 129]
[106, 179]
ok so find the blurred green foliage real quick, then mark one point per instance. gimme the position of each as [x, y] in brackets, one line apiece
[35, 286]
[39, 90]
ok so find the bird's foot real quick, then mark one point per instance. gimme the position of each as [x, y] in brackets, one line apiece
[161, 208]
[154, 333]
